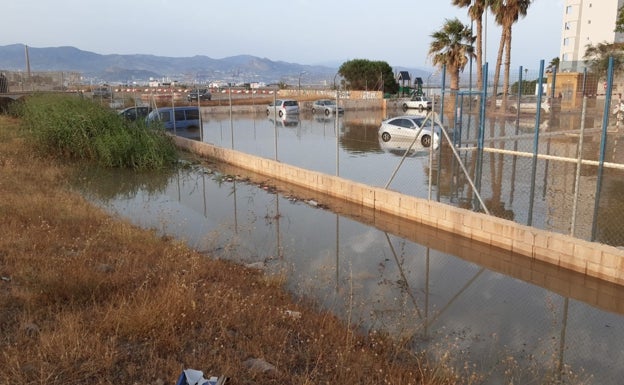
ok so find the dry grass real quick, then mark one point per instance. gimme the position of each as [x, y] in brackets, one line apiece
[86, 299]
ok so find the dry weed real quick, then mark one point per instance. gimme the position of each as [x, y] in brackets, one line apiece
[85, 298]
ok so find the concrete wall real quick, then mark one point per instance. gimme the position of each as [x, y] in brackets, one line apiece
[590, 258]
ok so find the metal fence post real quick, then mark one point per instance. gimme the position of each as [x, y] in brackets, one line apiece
[603, 145]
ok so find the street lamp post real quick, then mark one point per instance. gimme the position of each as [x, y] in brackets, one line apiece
[301, 73]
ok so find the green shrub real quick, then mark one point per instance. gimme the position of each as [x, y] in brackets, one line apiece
[78, 129]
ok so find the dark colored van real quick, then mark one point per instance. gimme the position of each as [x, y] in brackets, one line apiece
[176, 118]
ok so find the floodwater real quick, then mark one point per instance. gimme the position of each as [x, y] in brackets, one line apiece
[510, 319]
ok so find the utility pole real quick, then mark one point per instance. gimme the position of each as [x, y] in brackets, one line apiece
[28, 66]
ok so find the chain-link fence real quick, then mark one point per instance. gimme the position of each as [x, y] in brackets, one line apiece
[557, 166]
[20, 81]
[550, 159]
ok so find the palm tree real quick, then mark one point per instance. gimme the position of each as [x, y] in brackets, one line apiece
[554, 64]
[476, 9]
[451, 46]
[506, 13]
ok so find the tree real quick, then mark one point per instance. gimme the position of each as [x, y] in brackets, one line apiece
[619, 22]
[506, 13]
[597, 57]
[452, 46]
[554, 63]
[362, 74]
[476, 9]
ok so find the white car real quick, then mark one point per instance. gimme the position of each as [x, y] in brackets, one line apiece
[418, 101]
[407, 127]
[282, 107]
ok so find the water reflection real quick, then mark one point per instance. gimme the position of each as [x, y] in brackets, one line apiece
[382, 273]
[512, 182]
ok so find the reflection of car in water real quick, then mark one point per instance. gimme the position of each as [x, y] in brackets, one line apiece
[399, 147]
[407, 127]
[286, 121]
[324, 118]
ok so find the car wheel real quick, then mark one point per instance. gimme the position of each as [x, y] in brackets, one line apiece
[404, 107]
[268, 112]
[327, 112]
[314, 110]
[421, 108]
[385, 136]
[281, 113]
[425, 140]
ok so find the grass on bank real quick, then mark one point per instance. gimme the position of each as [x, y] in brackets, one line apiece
[88, 299]
[79, 129]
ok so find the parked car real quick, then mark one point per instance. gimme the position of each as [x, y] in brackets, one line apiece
[101, 92]
[420, 102]
[407, 127]
[175, 118]
[281, 107]
[202, 94]
[326, 106]
[135, 113]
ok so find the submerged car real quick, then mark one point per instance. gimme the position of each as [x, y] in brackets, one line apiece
[326, 106]
[135, 113]
[419, 102]
[178, 118]
[281, 107]
[408, 127]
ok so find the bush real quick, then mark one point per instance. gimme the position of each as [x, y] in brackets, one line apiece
[78, 129]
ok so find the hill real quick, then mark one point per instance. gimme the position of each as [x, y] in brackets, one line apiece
[116, 68]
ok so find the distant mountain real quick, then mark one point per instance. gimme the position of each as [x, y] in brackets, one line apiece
[116, 68]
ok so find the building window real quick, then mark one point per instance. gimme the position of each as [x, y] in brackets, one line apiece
[568, 10]
[566, 57]
[567, 26]
[588, 21]
[566, 41]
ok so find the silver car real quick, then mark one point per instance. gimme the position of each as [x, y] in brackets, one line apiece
[326, 106]
[407, 127]
[281, 107]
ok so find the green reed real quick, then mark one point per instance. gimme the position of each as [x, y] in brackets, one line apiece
[77, 128]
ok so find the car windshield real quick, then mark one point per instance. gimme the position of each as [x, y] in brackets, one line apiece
[426, 122]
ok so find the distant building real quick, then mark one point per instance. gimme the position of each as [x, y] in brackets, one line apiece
[586, 22]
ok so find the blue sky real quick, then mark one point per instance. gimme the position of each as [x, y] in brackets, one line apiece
[296, 31]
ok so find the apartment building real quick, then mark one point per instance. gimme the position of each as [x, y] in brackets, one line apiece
[586, 22]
